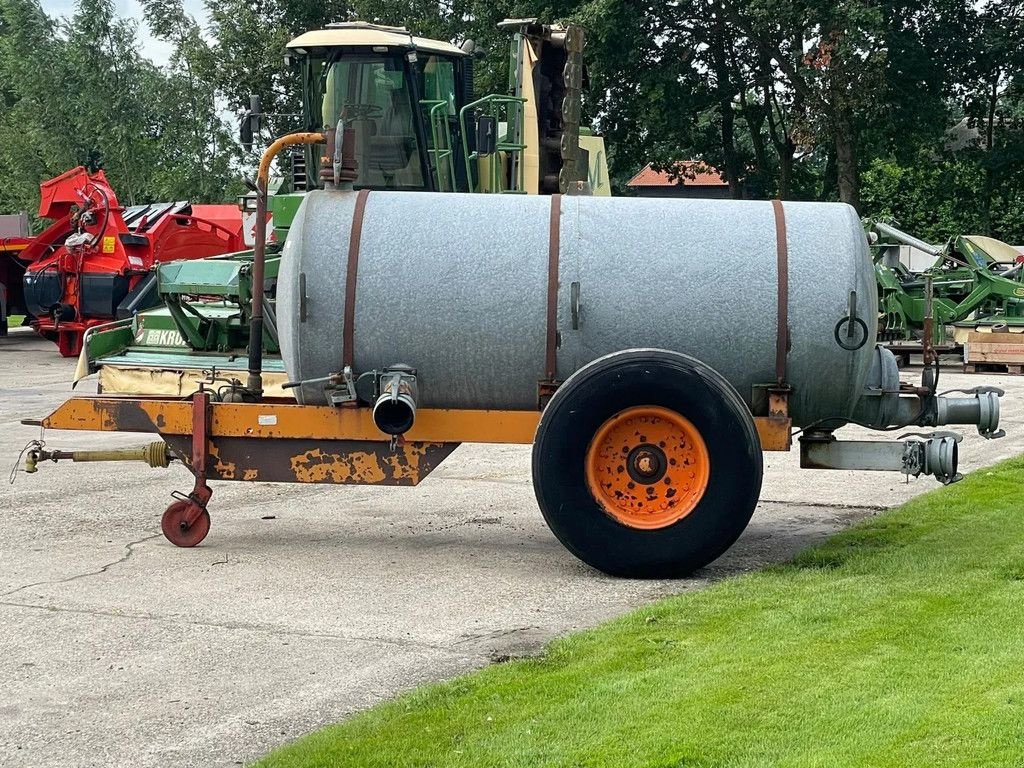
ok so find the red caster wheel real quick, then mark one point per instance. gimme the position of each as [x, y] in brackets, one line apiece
[178, 531]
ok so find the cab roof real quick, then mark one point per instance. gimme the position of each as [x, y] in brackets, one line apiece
[360, 34]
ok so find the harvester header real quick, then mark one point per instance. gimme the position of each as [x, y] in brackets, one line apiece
[91, 265]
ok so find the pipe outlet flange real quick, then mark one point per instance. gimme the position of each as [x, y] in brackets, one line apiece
[395, 409]
[988, 418]
[936, 454]
[980, 409]
[941, 457]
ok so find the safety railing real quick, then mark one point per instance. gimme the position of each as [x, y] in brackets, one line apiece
[441, 151]
[507, 109]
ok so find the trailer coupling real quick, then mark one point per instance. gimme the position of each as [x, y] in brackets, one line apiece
[913, 454]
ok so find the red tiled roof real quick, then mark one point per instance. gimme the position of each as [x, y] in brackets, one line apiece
[694, 173]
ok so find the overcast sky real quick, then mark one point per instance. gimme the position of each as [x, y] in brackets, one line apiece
[154, 50]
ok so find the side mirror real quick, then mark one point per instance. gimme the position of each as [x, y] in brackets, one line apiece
[486, 135]
[245, 132]
[251, 123]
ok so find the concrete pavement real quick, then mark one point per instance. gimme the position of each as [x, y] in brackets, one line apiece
[306, 603]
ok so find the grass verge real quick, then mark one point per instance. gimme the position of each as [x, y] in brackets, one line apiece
[899, 642]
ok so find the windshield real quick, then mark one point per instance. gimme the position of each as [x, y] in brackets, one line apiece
[372, 96]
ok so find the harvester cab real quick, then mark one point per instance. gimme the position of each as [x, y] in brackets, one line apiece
[415, 125]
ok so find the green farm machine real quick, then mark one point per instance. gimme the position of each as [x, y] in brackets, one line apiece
[398, 113]
[975, 283]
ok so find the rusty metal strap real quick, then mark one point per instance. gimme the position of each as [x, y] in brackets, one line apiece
[554, 246]
[355, 237]
[782, 342]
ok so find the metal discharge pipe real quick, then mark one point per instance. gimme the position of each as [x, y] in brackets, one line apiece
[936, 455]
[259, 255]
[903, 237]
[395, 408]
[885, 402]
[981, 410]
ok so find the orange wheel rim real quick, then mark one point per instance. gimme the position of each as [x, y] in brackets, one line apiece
[647, 467]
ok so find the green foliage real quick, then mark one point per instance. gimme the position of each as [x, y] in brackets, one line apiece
[931, 198]
[199, 152]
[249, 46]
[896, 644]
[937, 198]
[78, 91]
[802, 99]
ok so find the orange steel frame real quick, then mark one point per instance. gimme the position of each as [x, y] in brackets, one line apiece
[283, 420]
[279, 441]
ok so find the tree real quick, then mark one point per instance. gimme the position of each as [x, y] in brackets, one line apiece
[804, 99]
[110, 97]
[992, 91]
[249, 47]
[199, 156]
[32, 127]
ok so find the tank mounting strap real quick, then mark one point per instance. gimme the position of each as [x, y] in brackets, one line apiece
[352, 272]
[782, 341]
[554, 246]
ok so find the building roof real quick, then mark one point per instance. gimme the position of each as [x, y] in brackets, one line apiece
[692, 173]
[362, 34]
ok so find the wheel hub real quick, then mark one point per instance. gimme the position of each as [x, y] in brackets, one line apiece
[647, 467]
[177, 528]
[646, 464]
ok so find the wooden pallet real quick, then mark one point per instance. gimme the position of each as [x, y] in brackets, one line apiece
[902, 350]
[999, 352]
[1013, 370]
[962, 331]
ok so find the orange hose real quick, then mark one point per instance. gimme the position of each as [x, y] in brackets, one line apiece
[285, 141]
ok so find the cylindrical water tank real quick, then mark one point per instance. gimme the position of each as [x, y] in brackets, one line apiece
[456, 286]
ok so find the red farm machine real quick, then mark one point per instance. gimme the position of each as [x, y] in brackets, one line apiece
[93, 263]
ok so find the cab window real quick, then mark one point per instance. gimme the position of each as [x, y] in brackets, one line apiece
[438, 78]
[373, 98]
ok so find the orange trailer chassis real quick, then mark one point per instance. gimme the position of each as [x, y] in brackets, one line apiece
[280, 441]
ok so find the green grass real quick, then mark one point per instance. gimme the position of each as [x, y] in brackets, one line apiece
[899, 642]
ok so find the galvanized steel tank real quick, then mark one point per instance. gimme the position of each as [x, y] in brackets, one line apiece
[455, 285]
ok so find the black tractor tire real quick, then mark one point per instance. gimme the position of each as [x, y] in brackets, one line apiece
[650, 378]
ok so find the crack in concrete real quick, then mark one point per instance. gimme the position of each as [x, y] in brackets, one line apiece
[240, 625]
[496, 634]
[502, 480]
[129, 550]
[823, 505]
